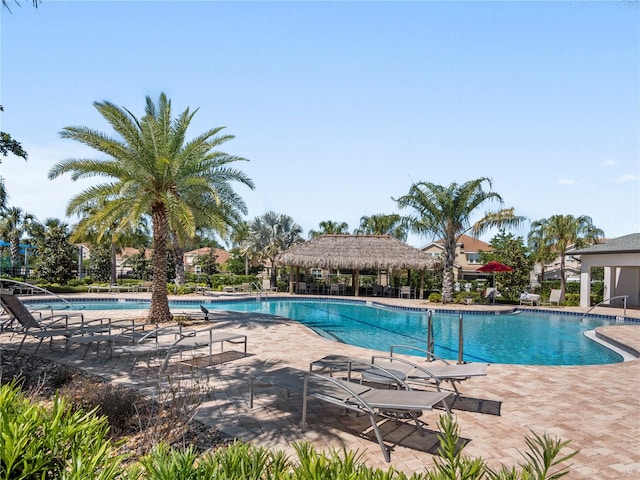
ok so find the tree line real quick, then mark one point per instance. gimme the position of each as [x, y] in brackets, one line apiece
[163, 190]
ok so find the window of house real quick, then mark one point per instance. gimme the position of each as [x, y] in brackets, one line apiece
[316, 272]
[473, 258]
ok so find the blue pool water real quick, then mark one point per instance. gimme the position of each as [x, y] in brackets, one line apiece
[525, 338]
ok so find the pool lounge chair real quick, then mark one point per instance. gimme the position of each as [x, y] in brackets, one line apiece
[433, 372]
[429, 374]
[529, 299]
[154, 343]
[406, 291]
[363, 399]
[490, 294]
[50, 326]
[554, 297]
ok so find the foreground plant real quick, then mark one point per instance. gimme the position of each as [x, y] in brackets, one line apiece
[60, 442]
[542, 461]
[55, 442]
[239, 461]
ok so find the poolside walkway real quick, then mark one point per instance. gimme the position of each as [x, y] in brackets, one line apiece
[595, 407]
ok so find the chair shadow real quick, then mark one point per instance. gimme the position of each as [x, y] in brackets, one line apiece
[395, 433]
[477, 405]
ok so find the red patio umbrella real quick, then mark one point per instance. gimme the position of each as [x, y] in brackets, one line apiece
[494, 266]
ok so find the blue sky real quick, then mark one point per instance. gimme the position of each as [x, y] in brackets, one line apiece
[340, 106]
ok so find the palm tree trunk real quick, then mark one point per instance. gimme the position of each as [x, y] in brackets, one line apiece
[179, 253]
[447, 274]
[562, 280]
[114, 276]
[159, 308]
[14, 250]
[274, 275]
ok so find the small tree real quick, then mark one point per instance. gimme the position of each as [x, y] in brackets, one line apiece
[511, 251]
[140, 265]
[208, 262]
[56, 259]
[100, 261]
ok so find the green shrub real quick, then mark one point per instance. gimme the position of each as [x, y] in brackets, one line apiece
[240, 461]
[461, 297]
[572, 299]
[54, 442]
[435, 297]
[173, 289]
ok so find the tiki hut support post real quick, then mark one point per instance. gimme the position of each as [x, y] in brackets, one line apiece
[421, 285]
[356, 283]
[291, 277]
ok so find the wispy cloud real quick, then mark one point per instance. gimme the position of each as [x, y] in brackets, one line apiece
[627, 177]
[566, 181]
[609, 163]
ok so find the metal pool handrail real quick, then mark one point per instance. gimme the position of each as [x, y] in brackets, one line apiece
[35, 287]
[624, 311]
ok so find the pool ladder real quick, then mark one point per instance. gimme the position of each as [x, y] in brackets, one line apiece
[431, 342]
[261, 293]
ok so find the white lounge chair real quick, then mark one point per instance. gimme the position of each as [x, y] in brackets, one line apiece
[554, 297]
[529, 299]
[406, 291]
[490, 294]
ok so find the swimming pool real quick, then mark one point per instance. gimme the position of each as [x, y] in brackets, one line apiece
[526, 338]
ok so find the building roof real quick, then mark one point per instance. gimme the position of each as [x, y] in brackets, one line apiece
[356, 252]
[126, 252]
[467, 244]
[626, 244]
[221, 255]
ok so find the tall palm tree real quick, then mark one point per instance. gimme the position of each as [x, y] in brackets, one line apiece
[152, 170]
[239, 238]
[14, 222]
[330, 227]
[541, 251]
[445, 212]
[271, 234]
[558, 232]
[383, 224]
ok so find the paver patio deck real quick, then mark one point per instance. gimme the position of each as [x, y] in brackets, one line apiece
[595, 407]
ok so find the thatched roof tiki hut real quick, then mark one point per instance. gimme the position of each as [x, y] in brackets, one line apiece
[355, 252]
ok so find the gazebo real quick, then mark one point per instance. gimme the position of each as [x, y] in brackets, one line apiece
[356, 252]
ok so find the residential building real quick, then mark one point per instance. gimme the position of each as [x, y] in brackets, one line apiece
[620, 258]
[191, 258]
[467, 257]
